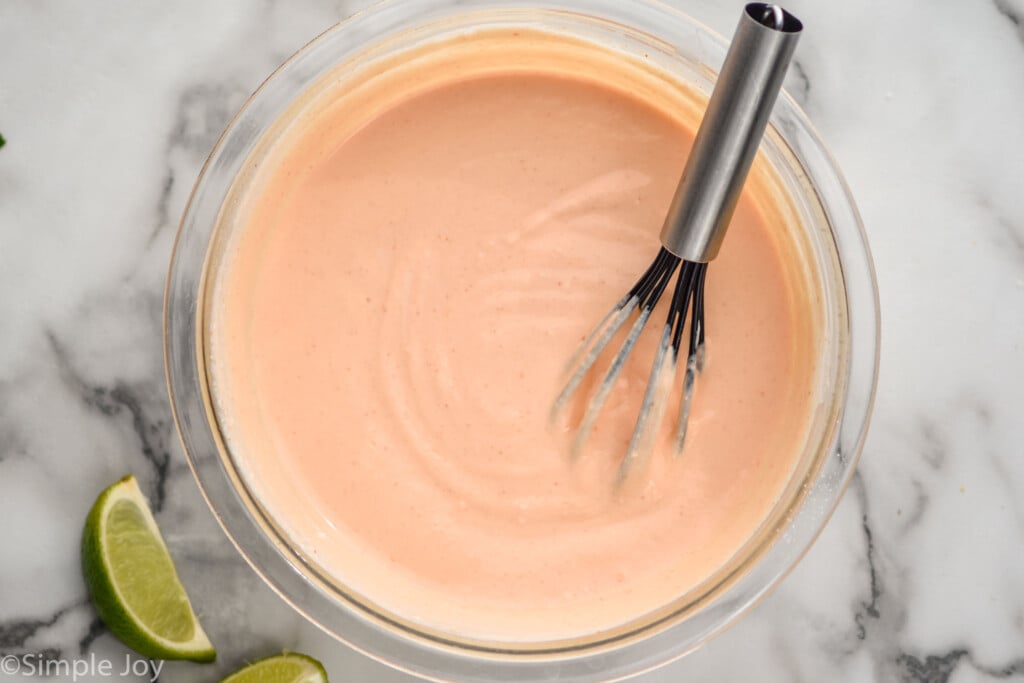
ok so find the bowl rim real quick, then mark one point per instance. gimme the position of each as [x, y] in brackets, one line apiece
[618, 662]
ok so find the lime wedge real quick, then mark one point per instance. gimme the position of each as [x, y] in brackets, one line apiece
[132, 581]
[286, 668]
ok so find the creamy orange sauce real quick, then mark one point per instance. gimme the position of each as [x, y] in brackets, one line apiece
[404, 284]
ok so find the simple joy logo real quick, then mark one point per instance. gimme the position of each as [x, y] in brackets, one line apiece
[75, 669]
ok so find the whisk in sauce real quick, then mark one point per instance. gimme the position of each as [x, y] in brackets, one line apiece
[405, 276]
[698, 217]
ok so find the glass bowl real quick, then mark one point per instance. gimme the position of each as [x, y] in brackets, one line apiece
[832, 239]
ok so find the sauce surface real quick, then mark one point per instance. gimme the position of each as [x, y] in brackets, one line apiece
[392, 319]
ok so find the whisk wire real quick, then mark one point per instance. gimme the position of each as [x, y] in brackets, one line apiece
[687, 301]
[652, 408]
[688, 297]
[649, 291]
[586, 357]
[695, 358]
[630, 298]
[599, 338]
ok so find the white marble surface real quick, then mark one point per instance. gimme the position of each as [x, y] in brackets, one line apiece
[109, 108]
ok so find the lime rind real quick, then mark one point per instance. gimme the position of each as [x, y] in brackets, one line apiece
[285, 668]
[113, 605]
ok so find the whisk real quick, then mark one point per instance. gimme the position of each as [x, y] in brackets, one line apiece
[692, 234]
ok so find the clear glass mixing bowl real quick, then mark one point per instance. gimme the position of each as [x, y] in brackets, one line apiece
[833, 241]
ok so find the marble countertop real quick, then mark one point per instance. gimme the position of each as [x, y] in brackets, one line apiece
[109, 109]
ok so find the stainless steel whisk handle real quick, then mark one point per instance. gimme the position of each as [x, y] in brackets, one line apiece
[730, 132]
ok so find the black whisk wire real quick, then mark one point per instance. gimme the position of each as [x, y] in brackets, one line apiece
[643, 297]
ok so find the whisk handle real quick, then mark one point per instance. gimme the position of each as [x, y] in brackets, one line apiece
[730, 132]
